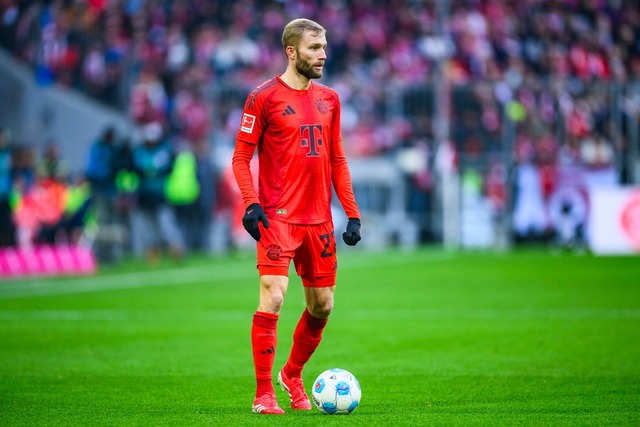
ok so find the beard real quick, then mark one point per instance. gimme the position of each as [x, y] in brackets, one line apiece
[306, 69]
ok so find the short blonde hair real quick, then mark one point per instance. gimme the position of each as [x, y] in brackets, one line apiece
[293, 31]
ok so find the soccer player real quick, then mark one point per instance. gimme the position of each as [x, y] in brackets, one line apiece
[294, 123]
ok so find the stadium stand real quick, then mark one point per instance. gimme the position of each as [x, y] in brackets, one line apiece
[547, 83]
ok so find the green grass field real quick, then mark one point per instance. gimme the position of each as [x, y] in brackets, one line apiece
[435, 338]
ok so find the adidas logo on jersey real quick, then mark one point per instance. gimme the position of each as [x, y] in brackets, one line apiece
[288, 111]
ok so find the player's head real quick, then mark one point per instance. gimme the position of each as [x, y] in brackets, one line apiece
[294, 30]
[304, 42]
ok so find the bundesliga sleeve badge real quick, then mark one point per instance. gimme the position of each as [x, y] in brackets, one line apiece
[247, 123]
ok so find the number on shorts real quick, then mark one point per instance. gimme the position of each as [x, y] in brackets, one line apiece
[326, 251]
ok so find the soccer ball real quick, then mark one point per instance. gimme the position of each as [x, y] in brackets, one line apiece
[336, 391]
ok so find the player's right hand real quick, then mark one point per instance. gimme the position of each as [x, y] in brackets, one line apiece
[252, 216]
[352, 236]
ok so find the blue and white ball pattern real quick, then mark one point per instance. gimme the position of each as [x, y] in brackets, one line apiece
[336, 391]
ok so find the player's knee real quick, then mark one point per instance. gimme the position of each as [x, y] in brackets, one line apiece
[274, 302]
[322, 312]
[272, 293]
[320, 308]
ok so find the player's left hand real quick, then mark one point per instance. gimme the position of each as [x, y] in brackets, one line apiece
[352, 236]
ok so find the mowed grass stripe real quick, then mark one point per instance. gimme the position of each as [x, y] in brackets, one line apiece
[51, 286]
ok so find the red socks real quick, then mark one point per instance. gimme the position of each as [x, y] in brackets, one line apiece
[306, 339]
[264, 337]
[263, 342]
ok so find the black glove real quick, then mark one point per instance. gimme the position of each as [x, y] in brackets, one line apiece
[250, 220]
[352, 235]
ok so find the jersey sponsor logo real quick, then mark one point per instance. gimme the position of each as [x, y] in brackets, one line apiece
[322, 105]
[288, 110]
[274, 252]
[281, 211]
[311, 136]
[247, 123]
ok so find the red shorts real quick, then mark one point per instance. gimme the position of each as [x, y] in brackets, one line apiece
[312, 248]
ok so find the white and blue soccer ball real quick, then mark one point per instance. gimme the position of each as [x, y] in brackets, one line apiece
[336, 391]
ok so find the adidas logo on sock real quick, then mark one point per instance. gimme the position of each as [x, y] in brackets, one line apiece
[270, 350]
[288, 111]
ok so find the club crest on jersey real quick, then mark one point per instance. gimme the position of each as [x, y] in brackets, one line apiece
[322, 106]
[247, 123]
[274, 252]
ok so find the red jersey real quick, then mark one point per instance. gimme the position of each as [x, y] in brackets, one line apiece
[300, 153]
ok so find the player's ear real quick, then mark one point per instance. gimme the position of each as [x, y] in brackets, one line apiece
[291, 52]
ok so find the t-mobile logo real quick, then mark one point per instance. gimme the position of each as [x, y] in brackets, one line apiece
[311, 136]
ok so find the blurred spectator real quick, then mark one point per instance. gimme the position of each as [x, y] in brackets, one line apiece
[100, 172]
[100, 169]
[26, 209]
[529, 217]
[51, 165]
[148, 99]
[24, 168]
[47, 200]
[192, 115]
[154, 219]
[206, 201]
[568, 209]
[52, 181]
[76, 215]
[195, 219]
[7, 226]
[183, 191]
[38, 202]
[127, 182]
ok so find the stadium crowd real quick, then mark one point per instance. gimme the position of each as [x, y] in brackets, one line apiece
[546, 66]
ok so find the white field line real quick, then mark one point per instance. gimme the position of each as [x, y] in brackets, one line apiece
[452, 315]
[448, 315]
[49, 286]
[123, 315]
[179, 276]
